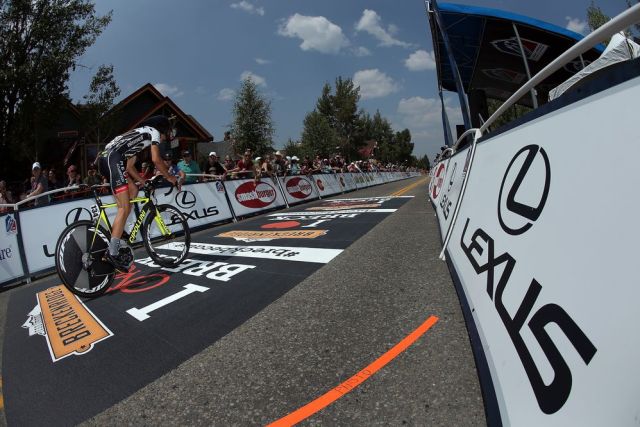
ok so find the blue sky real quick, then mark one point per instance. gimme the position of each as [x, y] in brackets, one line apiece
[197, 51]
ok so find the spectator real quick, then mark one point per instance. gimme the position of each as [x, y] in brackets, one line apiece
[244, 167]
[173, 169]
[93, 177]
[229, 164]
[279, 164]
[266, 168]
[326, 167]
[5, 197]
[215, 167]
[73, 177]
[39, 185]
[189, 166]
[147, 171]
[294, 168]
[53, 180]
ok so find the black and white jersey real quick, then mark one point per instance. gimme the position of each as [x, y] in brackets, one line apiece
[134, 141]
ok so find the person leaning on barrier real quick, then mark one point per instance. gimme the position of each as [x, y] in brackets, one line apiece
[93, 177]
[6, 198]
[39, 185]
[279, 164]
[53, 180]
[266, 168]
[189, 166]
[294, 167]
[215, 167]
[172, 168]
[244, 167]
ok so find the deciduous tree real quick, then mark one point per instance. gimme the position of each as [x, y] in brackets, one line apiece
[252, 125]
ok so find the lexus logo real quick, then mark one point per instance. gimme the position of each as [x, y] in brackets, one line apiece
[527, 179]
[186, 199]
[76, 214]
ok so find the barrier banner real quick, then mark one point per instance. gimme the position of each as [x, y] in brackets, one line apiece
[347, 182]
[10, 264]
[202, 204]
[248, 197]
[549, 269]
[446, 185]
[298, 188]
[327, 184]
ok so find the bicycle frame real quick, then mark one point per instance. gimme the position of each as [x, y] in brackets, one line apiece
[147, 206]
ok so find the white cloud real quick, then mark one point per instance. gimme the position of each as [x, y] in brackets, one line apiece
[258, 80]
[421, 60]
[316, 33]
[361, 51]
[374, 83]
[226, 94]
[575, 24]
[423, 117]
[168, 90]
[248, 7]
[370, 23]
[263, 61]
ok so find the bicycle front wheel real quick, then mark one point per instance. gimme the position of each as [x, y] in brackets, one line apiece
[79, 263]
[166, 236]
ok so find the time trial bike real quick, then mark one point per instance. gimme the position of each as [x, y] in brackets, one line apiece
[81, 247]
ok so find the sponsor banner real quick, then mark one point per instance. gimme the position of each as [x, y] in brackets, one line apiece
[327, 184]
[298, 188]
[248, 196]
[447, 187]
[347, 182]
[314, 255]
[549, 271]
[10, 263]
[265, 236]
[40, 237]
[201, 204]
[67, 325]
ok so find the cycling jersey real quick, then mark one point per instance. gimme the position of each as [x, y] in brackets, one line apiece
[115, 155]
[134, 141]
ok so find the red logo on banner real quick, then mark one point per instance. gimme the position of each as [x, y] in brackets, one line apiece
[254, 195]
[299, 188]
[439, 180]
[320, 184]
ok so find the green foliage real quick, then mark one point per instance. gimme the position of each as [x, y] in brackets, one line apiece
[423, 162]
[252, 126]
[596, 18]
[103, 91]
[340, 110]
[40, 43]
[337, 125]
[318, 137]
[508, 116]
[294, 148]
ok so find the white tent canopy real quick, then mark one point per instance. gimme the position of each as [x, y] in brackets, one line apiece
[619, 49]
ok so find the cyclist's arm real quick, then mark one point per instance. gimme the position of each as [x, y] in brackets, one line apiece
[156, 158]
[134, 176]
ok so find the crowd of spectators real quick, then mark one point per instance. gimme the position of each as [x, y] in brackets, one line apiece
[213, 168]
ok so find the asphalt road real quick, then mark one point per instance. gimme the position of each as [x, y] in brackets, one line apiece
[322, 331]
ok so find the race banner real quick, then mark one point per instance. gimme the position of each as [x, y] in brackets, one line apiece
[548, 269]
[201, 204]
[327, 184]
[298, 188]
[10, 264]
[248, 196]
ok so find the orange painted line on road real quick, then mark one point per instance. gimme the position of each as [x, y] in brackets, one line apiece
[409, 187]
[337, 392]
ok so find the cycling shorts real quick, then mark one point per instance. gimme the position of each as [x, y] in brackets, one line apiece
[111, 165]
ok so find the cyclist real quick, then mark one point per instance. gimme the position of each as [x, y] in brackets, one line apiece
[117, 162]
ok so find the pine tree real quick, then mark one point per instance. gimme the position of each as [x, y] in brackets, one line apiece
[252, 126]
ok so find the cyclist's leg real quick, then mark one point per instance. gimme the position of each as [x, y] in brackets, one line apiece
[120, 190]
